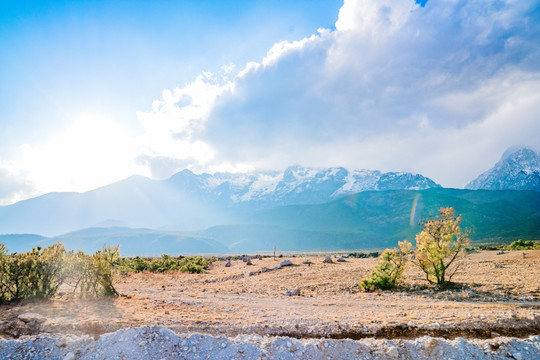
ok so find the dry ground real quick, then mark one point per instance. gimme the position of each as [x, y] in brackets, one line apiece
[494, 300]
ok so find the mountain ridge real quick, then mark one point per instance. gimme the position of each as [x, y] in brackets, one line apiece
[518, 169]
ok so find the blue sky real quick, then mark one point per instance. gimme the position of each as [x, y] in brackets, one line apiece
[93, 91]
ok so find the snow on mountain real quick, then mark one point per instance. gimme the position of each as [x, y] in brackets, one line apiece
[518, 169]
[295, 185]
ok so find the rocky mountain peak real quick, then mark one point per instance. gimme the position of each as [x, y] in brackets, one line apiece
[518, 169]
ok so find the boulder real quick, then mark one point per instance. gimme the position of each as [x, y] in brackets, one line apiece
[228, 264]
[341, 259]
[328, 259]
[32, 318]
[286, 263]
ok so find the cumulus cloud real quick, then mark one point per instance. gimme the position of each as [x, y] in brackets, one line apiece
[440, 89]
[14, 184]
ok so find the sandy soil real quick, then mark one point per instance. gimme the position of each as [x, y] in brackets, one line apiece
[500, 296]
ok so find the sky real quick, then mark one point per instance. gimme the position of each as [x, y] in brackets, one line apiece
[92, 92]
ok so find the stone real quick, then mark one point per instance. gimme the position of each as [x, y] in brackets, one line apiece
[341, 259]
[32, 318]
[286, 263]
[293, 292]
[69, 356]
[328, 259]
[248, 261]
[392, 352]
[228, 264]
[431, 345]
[307, 262]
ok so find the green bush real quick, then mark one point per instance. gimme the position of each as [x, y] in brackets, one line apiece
[524, 245]
[389, 269]
[166, 263]
[34, 274]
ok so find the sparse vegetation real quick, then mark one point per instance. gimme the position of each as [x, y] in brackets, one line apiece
[40, 272]
[439, 245]
[166, 263]
[363, 255]
[389, 269]
[524, 245]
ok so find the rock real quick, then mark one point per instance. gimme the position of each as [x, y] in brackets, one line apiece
[16, 328]
[265, 269]
[248, 262]
[431, 346]
[277, 267]
[328, 259]
[228, 264]
[307, 262]
[293, 292]
[341, 259]
[286, 263]
[392, 352]
[517, 356]
[69, 356]
[501, 252]
[32, 318]
[497, 266]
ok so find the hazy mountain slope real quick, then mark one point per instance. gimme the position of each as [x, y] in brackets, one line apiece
[188, 201]
[139, 241]
[367, 220]
[21, 242]
[518, 169]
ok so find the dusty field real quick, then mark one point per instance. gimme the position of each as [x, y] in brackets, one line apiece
[494, 300]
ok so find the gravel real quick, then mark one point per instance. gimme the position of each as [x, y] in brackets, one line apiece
[157, 342]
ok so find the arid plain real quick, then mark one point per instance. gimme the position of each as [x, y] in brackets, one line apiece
[498, 294]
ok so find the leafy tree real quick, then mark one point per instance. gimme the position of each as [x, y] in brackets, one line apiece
[389, 269]
[439, 245]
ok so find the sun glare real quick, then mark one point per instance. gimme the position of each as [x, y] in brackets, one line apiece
[90, 152]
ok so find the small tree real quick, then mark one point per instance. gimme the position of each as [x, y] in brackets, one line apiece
[439, 245]
[389, 269]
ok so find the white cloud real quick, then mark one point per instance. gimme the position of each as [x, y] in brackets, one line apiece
[14, 183]
[441, 89]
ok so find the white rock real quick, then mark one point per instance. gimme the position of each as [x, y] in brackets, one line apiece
[69, 356]
[392, 352]
[328, 259]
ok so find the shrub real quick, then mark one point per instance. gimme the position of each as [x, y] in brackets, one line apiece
[439, 245]
[388, 272]
[524, 245]
[166, 263]
[34, 274]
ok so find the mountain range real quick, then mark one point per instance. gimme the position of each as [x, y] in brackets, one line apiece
[189, 201]
[296, 209]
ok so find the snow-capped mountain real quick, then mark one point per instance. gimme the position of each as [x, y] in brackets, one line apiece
[189, 201]
[518, 169]
[295, 185]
